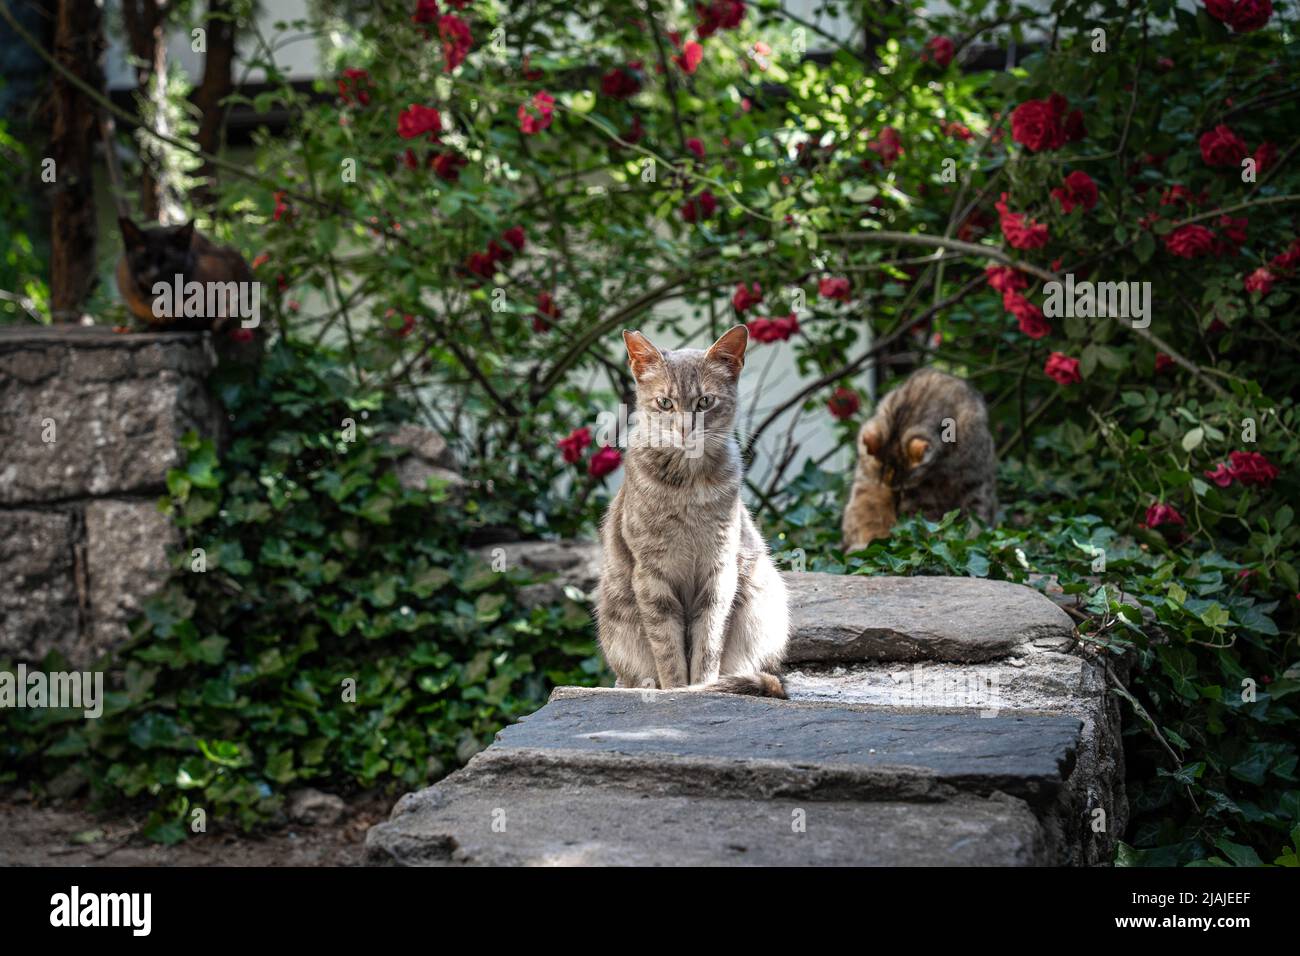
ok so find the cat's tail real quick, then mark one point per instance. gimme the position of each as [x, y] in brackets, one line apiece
[758, 684]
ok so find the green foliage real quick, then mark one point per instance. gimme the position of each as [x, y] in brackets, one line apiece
[320, 569]
[23, 292]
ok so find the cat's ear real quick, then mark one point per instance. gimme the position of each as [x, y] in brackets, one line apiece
[641, 353]
[917, 449]
[132, 234]
[872, 438]
[730, 348]
[185, 234]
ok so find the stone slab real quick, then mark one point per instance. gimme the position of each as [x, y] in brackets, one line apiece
[39, 603]
[127, 561]
[86, 413]
[868, 750]
[855, 617]
[467, 824]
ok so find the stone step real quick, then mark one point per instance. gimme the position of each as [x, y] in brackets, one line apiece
[470, 823]
[1035, 680]
[715, 742]
[836, 617]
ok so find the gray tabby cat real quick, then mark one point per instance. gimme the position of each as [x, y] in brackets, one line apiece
[689, 596]
[928, 444]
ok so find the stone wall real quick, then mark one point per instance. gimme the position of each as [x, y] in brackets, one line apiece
[90, 423]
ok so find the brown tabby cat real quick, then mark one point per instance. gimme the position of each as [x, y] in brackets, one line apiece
[928, 450]
[159, 255]
[689, 596]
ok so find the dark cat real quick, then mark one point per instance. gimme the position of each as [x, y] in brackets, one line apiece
[927, 449]
[160, 255]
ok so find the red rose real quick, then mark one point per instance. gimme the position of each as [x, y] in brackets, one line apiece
[1021, 233]
[355, 83]
[1265, 156]
[773, 330]
[1233, 228]
[941, 50]
[417, 120]
[282, 209]
[844, 403]
[449, 165]
[1221, 10]
[1163, 363]
[1190, 242]
[957, 131]
[1288, 260]
[1006, 279]
[547, 312]
[604, 461]
[1028, 316]
[426, 11]
[573, 445]
[1063, 369]
[1252, 468]
[1036, 124]
[1221, 476]
[835, 287]
[537, 114]
[1250, 15]
[690, 57]
[515, 236]
[696, 147]
[1222, 147]
[1077, 189]
[745, 299]
[620, 83]
[700, 207]
[481, 264]
[718, 15]
[240, 335]
[888, 145]
[456, 40]
[1177, 193]
[1161, 513]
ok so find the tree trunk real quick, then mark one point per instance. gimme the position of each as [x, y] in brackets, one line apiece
[144, 33]
[78, 45]
[218, 72]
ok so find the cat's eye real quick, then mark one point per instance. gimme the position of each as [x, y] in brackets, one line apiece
[665, 403]
[703, 402]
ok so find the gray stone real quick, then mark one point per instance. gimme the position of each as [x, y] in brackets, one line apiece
[427, 457]
[39, 607]
[1038, 681]
[128, 546]
[869, 752]
[313, 808]
[118, 405]
[471, 823]
[569, 563]
[854, 617]
[424, 443]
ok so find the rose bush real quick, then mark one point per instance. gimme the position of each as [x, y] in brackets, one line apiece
[493, 195]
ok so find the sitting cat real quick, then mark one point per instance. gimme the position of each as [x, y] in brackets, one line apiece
[927, 450]
[159, 255]
[689, 596]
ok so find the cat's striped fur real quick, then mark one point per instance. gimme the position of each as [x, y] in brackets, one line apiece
[927, 450]
[689, 596]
